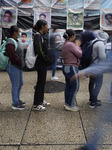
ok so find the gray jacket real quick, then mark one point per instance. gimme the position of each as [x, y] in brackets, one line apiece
[98, 53]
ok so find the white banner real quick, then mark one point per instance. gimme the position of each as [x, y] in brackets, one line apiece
[43, 3]
[106, 19]
[92, 4]
[0, 35]
[60, 4]
[43, 15]
[75, 19]
[26, 3]
[9, 16]
[25, 38]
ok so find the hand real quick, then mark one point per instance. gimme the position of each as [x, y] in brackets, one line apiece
[77, 76]
[78, 42]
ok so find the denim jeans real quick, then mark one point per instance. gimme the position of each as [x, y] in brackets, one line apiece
[54, 57]
[71, 89]
[95, 85]
[16, 78]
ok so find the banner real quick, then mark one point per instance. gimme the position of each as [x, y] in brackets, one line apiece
[106, 19]
[43, 15]
[25, 38]
[77, 4]
[9, 16]
[59, 4]
[0, 35]
[43, 3]
[75, 19]
[26, 3]
[92, 4]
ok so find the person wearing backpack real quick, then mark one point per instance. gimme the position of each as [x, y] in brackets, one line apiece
[71, 54]
[14, 67]
[98, 55]
[43, 60]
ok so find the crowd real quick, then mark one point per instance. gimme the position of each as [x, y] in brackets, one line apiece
[73, 53]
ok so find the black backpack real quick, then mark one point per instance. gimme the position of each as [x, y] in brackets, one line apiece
[86, 58]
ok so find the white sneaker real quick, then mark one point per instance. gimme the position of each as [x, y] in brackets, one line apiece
[46, 104]
[54, 78]
[74, 108]
[39, 108]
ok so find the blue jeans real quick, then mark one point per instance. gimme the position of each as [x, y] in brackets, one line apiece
[71, 89]
[54, 57]
[95, 85]
[16, 78]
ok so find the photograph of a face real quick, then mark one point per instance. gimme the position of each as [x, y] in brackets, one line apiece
[25, 38]
[75, 19]
[8, 16]
[42, 15]
[106, 19]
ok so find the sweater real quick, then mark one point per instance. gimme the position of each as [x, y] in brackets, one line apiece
[71, 54]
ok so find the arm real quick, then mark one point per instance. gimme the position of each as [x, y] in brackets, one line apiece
[101, 51]
[76, 50]
[10, 49]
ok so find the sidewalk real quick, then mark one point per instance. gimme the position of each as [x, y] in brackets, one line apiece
[55, 129]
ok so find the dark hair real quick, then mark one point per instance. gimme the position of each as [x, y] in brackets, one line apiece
[109, 14]
[42, 15]
[13, 29]
[68, 34]
[39, 24]
[24, 34]
[8, 12]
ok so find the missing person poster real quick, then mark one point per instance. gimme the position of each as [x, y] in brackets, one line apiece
[26, 3]
[0, 35]
[106, 19]
[75, 19]
[92, 4]
[42, 15]
[9, 16]
[59, 4]
[25, 38]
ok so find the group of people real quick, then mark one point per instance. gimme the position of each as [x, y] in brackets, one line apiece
[72, 52]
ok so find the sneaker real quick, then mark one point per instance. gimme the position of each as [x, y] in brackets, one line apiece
[54, 78]
[46, 104]
[39, 108]
[93, 105]
[22, 103]
[18, 107]
[98, 101]
[74, 108]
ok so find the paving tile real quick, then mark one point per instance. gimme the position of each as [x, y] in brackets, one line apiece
[54, 147]
[98, 125]
[55, 125]
[12, 125]
[8, 148]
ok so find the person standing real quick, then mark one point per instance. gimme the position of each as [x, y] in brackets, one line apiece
[71, 54]
[14, 67]
[98, 55]
[43, 60]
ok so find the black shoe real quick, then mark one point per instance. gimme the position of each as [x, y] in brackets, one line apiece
[93, 105]
[18, 107]
[22, 103]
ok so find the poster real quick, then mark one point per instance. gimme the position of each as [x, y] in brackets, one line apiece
[26, 3]
[9, 16]
[75, 19]
[106, 19]
[0, 35]
[25, 38]
[43, 15]
[92, 4]
[59, 3]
